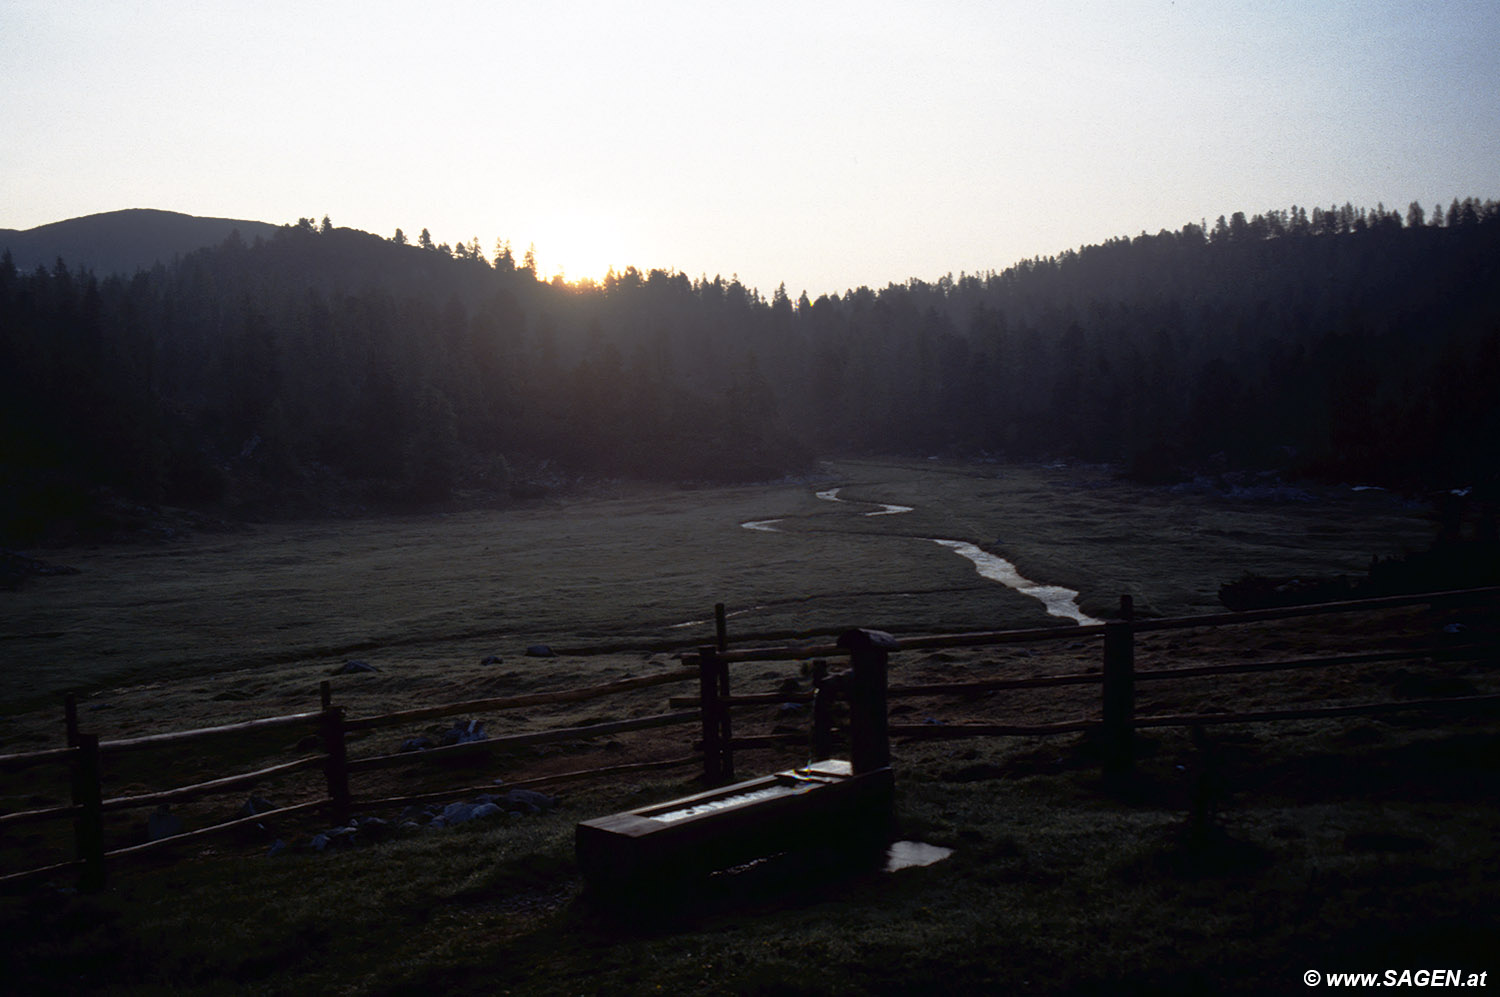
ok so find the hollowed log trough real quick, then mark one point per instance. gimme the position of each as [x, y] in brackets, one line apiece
[824, 808]
[832, 811]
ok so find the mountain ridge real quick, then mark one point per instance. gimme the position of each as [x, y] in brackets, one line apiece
[123, 241]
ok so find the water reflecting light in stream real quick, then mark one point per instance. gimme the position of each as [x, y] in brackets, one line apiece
[1059, 601]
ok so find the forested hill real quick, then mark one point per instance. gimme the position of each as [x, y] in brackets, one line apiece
[323, 368]
[122, 241]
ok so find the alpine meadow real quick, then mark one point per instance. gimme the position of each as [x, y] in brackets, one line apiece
[344, 578]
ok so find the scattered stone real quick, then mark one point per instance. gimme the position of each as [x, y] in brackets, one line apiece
[344, 837]
[162, 824]
[256, 805]
[416, 819]
[527, 801]
[493, 659]
[462, 733]
[539, 651]
[416, 744]
[353, 668]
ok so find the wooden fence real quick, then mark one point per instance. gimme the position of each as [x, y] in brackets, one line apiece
[1117, 720]
[327, 752]
[1115, 725]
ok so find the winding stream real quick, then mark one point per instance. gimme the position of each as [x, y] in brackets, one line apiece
[1059, 601]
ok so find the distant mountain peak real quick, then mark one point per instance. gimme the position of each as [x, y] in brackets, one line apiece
[123, 241]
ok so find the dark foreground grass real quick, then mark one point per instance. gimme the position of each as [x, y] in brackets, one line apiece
[1351, 846]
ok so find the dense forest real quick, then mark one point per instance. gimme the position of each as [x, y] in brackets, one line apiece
[326, 369]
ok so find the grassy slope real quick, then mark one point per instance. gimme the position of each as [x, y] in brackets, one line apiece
[1360, 844]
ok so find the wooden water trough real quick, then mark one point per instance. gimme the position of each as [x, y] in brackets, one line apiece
[829, 807]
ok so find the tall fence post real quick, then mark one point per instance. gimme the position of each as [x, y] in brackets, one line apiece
[826, 689]
[713, 676]
[336, 766]
[869, 730]
[721, 627]
[726, 733]
[713, 687]
[88, 827]
[1118, 734]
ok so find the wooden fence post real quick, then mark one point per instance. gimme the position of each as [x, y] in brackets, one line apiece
[721, 627]
[713, 676]
[336, 767]
[726, 733]
[1118, 733]
[869, 735]
[713, 685]
[88, 827]
[826, 691]
[325, 693]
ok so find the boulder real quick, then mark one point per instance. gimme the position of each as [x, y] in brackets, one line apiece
[353, 668]
[540, 651]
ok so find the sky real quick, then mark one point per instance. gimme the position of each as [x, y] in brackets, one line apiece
[824, 145]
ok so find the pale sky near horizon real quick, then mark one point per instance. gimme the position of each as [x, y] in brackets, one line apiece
[824, 144]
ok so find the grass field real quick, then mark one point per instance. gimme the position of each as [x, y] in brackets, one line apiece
[1359, 844]
[629, 567]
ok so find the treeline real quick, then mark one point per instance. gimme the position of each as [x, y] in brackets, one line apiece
[327, 366]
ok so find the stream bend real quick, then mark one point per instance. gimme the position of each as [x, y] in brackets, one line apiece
[1058, 601]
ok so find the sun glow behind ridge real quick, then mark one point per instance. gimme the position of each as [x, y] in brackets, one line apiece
[582, 246]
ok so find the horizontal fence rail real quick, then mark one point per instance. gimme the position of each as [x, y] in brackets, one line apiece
[202, 733]
[27, 759]
[516, 702]
[522, 740]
